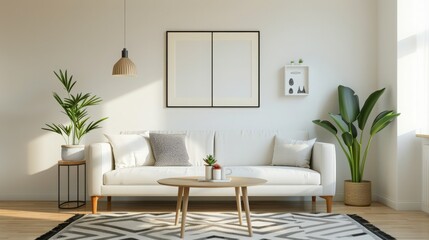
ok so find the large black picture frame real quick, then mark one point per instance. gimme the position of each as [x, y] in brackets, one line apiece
[213, 69]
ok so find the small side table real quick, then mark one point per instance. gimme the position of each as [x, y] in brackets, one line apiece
[74, 203]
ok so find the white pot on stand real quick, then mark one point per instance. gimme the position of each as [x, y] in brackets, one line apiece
[72, 152]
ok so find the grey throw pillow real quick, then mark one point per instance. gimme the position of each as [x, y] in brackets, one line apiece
[169, 149]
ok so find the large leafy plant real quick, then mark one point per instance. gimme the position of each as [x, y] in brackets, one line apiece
[75, 107]
[351, 116]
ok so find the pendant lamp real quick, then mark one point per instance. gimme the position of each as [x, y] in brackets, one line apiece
[124, 66]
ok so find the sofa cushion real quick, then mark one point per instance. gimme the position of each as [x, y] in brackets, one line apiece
[131, 150]
[244, 148]
[199, 143]
[169, 149]
[249, 147]
[275, 175]
[279, 175]
[295, 153]
[148, 175]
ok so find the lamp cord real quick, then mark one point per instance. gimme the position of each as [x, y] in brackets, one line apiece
[125, 23]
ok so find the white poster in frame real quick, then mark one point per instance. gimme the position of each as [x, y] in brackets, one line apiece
[189, 72]
[213, 69]
[236, 69]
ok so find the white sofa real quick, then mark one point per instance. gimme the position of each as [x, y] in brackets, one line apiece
[248, 153]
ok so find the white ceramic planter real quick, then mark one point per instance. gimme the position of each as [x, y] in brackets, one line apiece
[72, 152]
[208, 172]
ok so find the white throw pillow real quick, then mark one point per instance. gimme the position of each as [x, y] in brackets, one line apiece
[296, 153]
[131, 150]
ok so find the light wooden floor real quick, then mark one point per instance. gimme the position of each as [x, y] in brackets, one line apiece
[28, 220]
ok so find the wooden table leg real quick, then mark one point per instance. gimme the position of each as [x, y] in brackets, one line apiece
[179, 204]
[247, 209]
[184, 211]
[238, 200]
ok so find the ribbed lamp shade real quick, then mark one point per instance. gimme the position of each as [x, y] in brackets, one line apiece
[124, 66]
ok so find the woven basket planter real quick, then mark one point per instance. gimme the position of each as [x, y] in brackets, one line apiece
[357, 193]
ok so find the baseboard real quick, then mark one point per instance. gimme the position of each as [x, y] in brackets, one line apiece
[410, 206]
[425, 209]
[32, 197]
[402, 206]
[339, 197]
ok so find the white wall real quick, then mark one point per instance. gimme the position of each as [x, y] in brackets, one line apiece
[336, 38]
[409, 92]
[386, 185]
[399, 165]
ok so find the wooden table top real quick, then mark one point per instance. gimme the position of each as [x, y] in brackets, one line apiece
[71, 163]
[193, 182]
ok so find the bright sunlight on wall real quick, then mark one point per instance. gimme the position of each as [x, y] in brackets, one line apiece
[413, 65]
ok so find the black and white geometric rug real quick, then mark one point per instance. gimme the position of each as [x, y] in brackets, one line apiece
[216, 226]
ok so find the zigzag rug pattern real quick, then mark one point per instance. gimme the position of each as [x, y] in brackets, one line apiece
[217, 226]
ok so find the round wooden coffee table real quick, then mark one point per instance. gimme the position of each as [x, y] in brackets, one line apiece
[185, 183]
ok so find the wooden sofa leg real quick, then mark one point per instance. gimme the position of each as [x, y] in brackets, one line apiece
[328, 203]
[94, 201]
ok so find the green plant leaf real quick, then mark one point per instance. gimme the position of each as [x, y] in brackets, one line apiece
[58, 99]
[347, 138]
[59, 128]
[367, 108]
[383, 120]
[356, 161]
[353, 130]
[349, 104]
[53, 128]
[94, 125]
[210, 160]
[339, 122]
[326, 125]
[67, 82]
[66, 129]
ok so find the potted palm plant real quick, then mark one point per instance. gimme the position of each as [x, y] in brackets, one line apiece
[355, 146]
[74, 106]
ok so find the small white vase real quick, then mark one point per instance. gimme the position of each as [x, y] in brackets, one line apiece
[208, 172]
[72, 152]
[217, 174]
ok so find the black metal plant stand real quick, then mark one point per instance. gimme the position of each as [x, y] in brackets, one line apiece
[71, 204]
